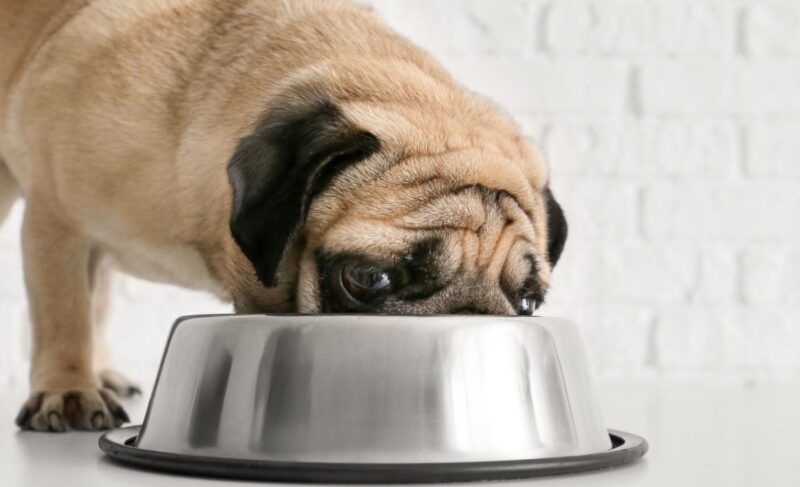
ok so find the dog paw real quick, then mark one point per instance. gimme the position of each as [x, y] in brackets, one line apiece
[117, 382]
[81, 409]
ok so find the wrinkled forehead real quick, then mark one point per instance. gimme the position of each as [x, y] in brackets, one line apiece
[452, 121]
[471, 230]
[476, 201]
[459, 187]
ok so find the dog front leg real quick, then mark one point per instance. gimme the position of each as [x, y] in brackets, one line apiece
[100, 277]
[65, 392]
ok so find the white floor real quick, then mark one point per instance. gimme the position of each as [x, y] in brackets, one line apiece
[700, 436]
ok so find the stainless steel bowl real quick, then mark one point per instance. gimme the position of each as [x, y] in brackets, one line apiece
[373, 392]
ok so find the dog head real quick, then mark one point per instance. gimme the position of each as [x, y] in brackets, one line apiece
[394, 205]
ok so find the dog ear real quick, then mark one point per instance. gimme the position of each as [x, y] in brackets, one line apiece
[556, 227]
[276, 171]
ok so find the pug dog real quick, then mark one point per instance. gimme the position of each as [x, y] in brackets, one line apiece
[287, 156]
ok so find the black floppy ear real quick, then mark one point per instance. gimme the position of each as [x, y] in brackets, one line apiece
[276, 171]
[556, 227]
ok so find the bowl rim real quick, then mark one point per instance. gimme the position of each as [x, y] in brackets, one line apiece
[120, 445]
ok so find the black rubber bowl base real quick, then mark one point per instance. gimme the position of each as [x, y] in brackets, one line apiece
[119, 444]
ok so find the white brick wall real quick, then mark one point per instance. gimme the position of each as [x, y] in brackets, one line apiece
[673, 131]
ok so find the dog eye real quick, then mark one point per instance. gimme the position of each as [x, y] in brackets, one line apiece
[527, 305]
[367, 283]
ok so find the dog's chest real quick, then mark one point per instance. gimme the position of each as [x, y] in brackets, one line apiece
[177, 265]
[170, 263]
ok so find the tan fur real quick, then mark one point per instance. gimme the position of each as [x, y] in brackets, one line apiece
[8, 191]
[117, 120]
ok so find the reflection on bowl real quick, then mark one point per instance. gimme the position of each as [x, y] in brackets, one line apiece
[365, 389]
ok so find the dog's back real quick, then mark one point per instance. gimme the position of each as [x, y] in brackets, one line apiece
[23, 24]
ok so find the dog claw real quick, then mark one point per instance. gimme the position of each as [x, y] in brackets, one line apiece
[118, 414]
[84, 409]
[27, 411]
[24, 417]
[98, 422]
[54, 420]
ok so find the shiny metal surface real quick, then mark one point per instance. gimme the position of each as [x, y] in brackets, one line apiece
[374, 389]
